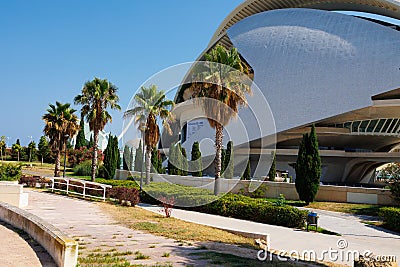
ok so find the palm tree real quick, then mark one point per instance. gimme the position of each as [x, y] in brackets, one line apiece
[97, 96]
[149, 104]
[222, 81]
[61, 123]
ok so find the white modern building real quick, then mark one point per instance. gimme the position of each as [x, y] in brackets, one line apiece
[318, 63]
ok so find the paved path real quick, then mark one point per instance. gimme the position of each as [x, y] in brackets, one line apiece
[85, 221]
[356, 236]
[18, 250]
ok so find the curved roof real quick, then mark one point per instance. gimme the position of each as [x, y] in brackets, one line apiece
[389, 8]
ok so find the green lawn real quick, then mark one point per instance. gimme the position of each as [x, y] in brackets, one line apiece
[358, 209]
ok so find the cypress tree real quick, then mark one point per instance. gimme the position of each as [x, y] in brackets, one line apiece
[118, 155]
[247, 172]
[229, 161]
[171, 160]
[126, 158]
[272, 170]
[184, 162]
[196, 163]
[139, 158]
[308, 167]
[91, 142]
[131, 159]
[80, 138]
[178, 159]
[111, 156]
[223, 166]
[154, 160]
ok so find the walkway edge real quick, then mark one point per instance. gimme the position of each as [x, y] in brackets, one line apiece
[62, 248]
[253, 234]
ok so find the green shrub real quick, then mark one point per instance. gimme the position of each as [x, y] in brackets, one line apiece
[391, 218]
[84, 168]
[183, 195]
[257, 210]
[10, 172]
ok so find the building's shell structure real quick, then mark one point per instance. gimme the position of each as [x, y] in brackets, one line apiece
[338, 71]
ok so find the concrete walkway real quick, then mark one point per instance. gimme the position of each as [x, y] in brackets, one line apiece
[355, 236]
[18, 250]
[94, 230]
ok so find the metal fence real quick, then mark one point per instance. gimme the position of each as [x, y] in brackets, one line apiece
[79, 187]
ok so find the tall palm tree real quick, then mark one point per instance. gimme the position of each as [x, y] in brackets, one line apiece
[150, 104]
[222, 81]
[61, 123]
[97, 96]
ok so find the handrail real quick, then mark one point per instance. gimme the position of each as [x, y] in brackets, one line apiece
[85, 185]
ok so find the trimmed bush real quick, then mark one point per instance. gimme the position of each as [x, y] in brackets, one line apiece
[10, 172]
[391, 218]
[257, 210]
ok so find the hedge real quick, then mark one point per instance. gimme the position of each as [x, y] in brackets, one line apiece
[257, 210]
[391, 218]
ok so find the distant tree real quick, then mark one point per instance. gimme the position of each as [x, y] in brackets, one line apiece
[91, 142]
[139, 158]
[16, 149]
[43, 148]
[111, 154]
[126, 162]
[96, 98]
[183, 162]
[17, 142]
[247, 172]
[223, 166]
[60, 124]
[308, 167]
[229, 161]
[272, 170]
[151, 105]
[80, 138]
[32, 151]
[131, 159]
[172, 160]
[2, 146]
[196, 163]
[119, 160]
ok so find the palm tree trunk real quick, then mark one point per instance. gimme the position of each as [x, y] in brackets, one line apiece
[18, 155]
[57, 165]
[148, 164]
[94, 155]
[219, 134]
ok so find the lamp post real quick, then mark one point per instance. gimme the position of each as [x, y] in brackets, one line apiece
[30, 148]
[65, 152]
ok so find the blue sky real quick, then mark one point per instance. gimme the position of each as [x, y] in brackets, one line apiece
[49, 49]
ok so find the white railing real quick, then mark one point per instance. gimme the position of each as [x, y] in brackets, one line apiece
[73, 188]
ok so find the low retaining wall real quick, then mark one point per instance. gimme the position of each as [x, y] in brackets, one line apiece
[274, 189]
[12, 193]
[62, 249]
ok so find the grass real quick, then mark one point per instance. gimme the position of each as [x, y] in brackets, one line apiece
[97, 257]
[228, 260]
[357, 209]
[143, 220]
[140, 256]
[165, 255]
